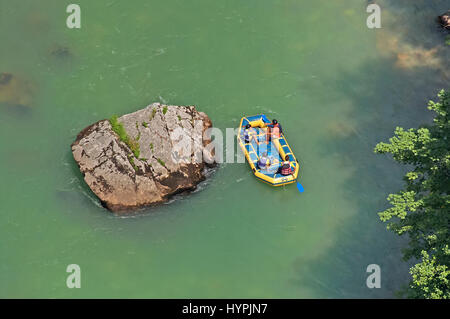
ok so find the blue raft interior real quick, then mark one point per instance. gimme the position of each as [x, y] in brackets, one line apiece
[276, 150]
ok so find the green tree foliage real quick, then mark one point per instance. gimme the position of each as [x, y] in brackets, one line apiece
[421, 210]
[430, 279]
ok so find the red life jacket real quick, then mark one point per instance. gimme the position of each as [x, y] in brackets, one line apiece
[286, 169]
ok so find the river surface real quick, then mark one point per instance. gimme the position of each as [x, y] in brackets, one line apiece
[336, 86]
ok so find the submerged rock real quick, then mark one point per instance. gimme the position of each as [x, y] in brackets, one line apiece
[5, 78]
[60, 52]
[16, 91]
[408, 56]
[143, 158]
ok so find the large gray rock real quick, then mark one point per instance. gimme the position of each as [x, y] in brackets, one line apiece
[170, 157]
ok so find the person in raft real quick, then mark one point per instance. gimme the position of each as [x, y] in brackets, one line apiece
[274, 130]
[263, 162]
[247, 133]
[286, 167]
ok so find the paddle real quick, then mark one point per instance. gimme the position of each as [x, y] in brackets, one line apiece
[300, 187]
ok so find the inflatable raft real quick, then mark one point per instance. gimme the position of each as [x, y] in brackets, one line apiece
[276, 150]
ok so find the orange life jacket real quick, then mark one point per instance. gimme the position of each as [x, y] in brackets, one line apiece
[276, 132]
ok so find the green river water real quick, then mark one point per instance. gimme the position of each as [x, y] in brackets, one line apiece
[336, 86]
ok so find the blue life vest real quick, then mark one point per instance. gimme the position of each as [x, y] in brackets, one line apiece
[262, 161]
[246, 134]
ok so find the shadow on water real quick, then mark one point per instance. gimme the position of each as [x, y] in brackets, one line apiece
[383, 95]
[16, 111]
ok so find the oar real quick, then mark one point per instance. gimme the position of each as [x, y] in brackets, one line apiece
[300, 187]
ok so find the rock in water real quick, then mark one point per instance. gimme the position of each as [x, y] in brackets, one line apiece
[142, 158]
[16, 91]
[60, 52]
[444, 20]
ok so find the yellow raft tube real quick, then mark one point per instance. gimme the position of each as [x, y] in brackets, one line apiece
[276, 150]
